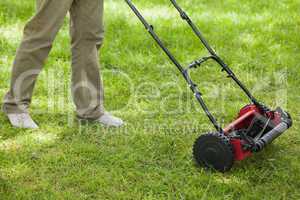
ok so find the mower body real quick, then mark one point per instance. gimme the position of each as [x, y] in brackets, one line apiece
[254, 128]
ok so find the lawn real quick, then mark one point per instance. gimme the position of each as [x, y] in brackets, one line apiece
[151, 157]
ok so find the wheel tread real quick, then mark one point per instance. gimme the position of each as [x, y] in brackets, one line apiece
[222, 138]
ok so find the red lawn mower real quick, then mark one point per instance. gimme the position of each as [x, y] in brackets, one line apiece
[255, 127]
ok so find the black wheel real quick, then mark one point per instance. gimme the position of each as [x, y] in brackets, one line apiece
[213, 150]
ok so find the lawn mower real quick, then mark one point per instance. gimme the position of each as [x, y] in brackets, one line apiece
[254, 128]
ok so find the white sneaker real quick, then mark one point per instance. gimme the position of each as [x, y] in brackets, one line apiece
[22, 120]
[109, 120]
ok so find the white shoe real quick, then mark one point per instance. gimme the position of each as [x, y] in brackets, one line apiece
[22, 120]
[109, 120]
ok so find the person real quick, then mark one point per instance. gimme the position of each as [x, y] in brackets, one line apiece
[87, 33]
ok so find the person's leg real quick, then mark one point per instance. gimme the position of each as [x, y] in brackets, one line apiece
[87, 32]
[39, 34]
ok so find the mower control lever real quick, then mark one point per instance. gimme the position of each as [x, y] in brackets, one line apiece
[199, 62]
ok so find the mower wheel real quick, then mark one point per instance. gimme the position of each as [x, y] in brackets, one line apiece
[214, 150]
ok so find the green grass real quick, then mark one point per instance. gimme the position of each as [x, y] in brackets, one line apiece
[151, 157]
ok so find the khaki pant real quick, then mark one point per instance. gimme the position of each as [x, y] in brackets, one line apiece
[86, 30]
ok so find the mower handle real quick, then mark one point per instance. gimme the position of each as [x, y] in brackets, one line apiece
[183, 71]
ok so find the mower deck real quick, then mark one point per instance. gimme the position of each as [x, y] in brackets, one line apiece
[250, 132]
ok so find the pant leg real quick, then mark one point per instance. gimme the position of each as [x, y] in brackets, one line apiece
[87, 33]
[38, 36]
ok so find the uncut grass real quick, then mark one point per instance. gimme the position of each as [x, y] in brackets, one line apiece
[258, 39]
